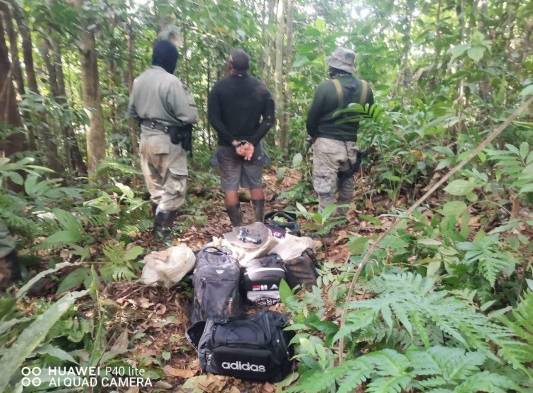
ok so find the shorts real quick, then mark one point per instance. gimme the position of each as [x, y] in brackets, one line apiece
[235, 171]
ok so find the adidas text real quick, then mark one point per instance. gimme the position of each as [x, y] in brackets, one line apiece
[238, 365]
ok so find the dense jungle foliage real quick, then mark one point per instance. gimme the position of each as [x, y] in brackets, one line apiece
[443, 304]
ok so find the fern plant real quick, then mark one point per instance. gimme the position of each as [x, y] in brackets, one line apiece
[407, 310]
[515, 165]
[520, 349]
[486, 253]
[437, 369]
[120, 262]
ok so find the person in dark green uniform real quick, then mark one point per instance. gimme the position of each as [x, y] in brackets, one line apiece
[334, 135]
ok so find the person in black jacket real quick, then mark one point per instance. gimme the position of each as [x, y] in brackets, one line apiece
[241, 110]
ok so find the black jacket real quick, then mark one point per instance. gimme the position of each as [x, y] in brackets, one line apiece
[240, 107]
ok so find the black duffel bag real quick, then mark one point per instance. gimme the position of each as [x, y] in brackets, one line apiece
[255, 348]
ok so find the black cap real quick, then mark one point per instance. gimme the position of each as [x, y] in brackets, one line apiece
[239, 60]
[165, 55]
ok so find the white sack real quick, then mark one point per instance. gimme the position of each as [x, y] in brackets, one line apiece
[291, 246]
[169, 266]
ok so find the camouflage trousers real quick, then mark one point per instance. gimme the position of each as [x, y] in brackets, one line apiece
[330, 157]
[164, 166]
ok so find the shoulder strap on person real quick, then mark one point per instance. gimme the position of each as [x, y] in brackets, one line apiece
[340, 92]
[364, 92]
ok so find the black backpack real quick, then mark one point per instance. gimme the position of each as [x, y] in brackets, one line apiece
[216, 286]
[261, 278]
[255, 348]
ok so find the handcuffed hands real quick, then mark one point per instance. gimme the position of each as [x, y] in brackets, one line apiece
[246, 151]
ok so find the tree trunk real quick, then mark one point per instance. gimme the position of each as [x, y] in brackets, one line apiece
[47, 137]
[278, 74]
[27, 54]
[288, 51]
[132, 128]
[72, 149]
[96, 141]
[9, 114]
[13, 49]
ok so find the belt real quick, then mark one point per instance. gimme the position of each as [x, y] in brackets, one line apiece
[156, 125]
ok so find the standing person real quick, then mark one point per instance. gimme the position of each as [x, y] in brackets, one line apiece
[166, 113]
[241, 110]
[334, 135]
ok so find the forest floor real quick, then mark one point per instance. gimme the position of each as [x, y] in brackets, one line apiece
[156, 318]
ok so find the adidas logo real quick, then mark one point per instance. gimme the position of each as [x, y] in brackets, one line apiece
[238, 365]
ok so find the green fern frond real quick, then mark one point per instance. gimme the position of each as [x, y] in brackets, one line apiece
[486, 381]
[408, 302]
[519, 351]
[438, 369]
[120, 262]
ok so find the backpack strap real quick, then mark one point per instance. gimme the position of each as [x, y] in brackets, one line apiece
[364, 92]
[340, 92]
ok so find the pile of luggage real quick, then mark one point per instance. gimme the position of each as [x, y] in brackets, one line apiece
[246, 268]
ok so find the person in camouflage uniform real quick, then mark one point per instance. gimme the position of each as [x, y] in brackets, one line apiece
[9, 269]
[334, 135]
[165, 111]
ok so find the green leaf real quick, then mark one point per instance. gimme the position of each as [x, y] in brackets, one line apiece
[16, 178]
[57, 353]
[60, 238]
[371, 219]
[476, 53]
[22, 291]
[527, 91]
[459, 187]
[74, 279]
[32, 336]
[527, 188]
[524, 150]
[457, 51]
[132, 253]
[358, 245]
[454, 208]
[429, 242]
[285, 292]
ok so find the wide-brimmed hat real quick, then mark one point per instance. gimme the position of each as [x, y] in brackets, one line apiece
[342, 59]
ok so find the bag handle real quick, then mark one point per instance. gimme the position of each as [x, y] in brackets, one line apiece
[217, 250]
[281, 214]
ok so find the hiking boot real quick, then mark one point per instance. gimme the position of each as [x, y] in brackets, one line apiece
[234, 214]
[259, 209]
[163, 224]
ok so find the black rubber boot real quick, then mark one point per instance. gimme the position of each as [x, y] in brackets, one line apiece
[259, 209]
[163, 224]
[235, 216]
